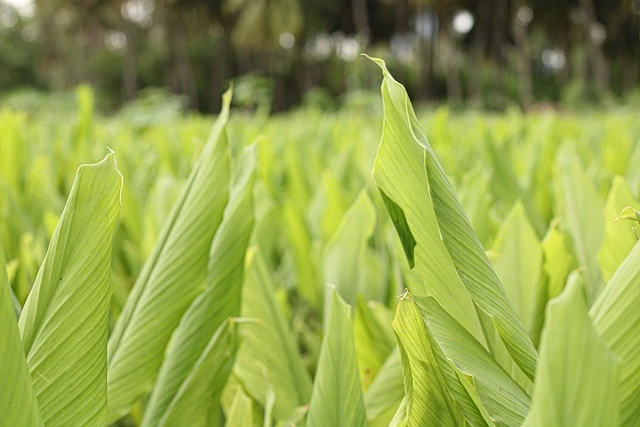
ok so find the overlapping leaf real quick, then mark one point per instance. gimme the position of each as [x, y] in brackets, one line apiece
[615, 318]
[269, 347]
[505, 400]
[171, 278]
[200, 391]
[220, 300]
[455, 265]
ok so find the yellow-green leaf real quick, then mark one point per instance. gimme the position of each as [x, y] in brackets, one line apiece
[64, 321]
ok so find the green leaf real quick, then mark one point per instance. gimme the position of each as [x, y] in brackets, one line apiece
[577, 381]
[476, 199]
[505, 400]
[583, 209]
[448, 253]
[372, 346]
[558, 260]
[64, 321]
[618, 236]
[399, 172]
[344, 261]
[516, 256]
[241, 411]
[615, 318]
[18, 405]
[306, 269]
[219, 301]
[385, 393]
[203, 386]
[337, 395]
[431, 383]
[506, 183]
[628, 212]
[327, 207]
[427, 400]
[171, 278]
[268, 346]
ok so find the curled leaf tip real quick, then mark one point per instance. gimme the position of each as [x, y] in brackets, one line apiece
[628, 213]
[405, 295]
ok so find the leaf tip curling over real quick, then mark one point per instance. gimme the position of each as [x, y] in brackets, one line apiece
[628, 213]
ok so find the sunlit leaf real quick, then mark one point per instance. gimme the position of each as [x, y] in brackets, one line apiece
[64, 321]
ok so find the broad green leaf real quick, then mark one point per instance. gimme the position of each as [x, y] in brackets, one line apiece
[203, 386]
[385, 393]
[337, 395]
[399, 172]
[516, 256]
[18, 405]
[241, 411]
[583, 216]
[448, 253]
[615, 318]
[557, 260]
[172, 276]
[577, 380]
[372, 346]
[64, 321]
[344, 260]
[505, 400]
[220, 300]
[427, 400]
[618, 235]
[268, 346]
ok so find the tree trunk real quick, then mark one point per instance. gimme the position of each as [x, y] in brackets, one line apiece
[499, 26]
[454, 85]
[184, 80]
[477, 53]
[597, 58]
[219, 70]
[129, 66]
[521, 38]
[361, 18]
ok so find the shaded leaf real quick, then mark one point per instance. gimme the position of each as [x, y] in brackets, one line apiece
[269, 347]
[18, 405]
[578, 375]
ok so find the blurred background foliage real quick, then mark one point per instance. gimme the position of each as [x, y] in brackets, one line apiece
[283, 53]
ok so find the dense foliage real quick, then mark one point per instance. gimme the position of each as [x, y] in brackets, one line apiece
[263, 275]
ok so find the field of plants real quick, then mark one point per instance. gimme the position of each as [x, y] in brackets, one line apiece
[368, 266]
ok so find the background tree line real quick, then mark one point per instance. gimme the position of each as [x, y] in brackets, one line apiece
[489, 53]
